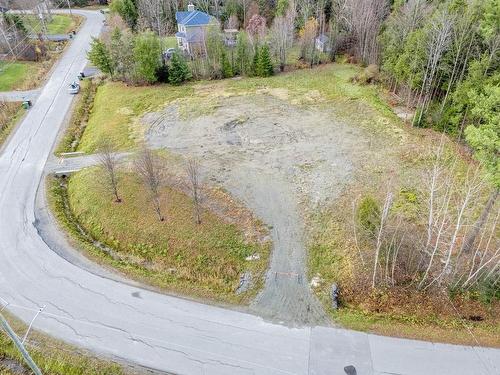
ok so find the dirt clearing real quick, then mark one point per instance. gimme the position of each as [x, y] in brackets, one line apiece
[278, 159]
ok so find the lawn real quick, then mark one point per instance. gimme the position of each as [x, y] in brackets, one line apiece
[203, 260]
[60, 24]
[116, 110]
[169, 42]
[14, 75]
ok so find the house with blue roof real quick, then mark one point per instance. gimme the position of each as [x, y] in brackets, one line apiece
[192, 27]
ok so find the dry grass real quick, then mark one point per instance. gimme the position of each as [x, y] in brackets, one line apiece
[10, 113]
[177, 254]
[400, 311]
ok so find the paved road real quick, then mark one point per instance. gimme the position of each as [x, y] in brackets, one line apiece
[158, 331]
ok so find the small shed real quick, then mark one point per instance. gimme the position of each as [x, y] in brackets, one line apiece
[323, 43]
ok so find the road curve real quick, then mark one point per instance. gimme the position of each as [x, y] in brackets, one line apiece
[155, 330]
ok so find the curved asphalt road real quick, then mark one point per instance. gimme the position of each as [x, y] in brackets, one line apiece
[158, 331]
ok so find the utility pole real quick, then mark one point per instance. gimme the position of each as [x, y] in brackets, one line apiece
[69, 6]
[19, 345]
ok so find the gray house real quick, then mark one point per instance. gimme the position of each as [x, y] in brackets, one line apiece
[191, 29]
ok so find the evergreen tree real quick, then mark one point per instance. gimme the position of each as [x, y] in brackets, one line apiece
[227, 69]
[147, 54]
[264, 64]
[121, 49]
[127, 10]
[179, 70]
[243, 65]
[254, 69]
[100, 57]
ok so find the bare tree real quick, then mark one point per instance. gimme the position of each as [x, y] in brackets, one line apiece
[380, 232]
[109, 163]
[438, 40]
[363, 18]
[149, 169]
[152, 15]
[193, 172]
[282, 35]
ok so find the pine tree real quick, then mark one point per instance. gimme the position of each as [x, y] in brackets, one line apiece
[179, 70]
[100, 57]
[264, 64]
[147, 52]
[254, 68]
[227, 69]
[242, 54]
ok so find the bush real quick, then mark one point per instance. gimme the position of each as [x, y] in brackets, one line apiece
[179, 70]
[368, 214]
[147, 55]
[264, 66]
[369, 75]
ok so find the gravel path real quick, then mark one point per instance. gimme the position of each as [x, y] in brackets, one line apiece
[276, 158]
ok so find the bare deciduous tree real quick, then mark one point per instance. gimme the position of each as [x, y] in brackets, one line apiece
[109, 163]
[193, 172]
[149, 169]
[282, 35]
[363, 18]
[380, 232]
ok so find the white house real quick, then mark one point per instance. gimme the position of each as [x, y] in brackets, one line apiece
[191, 28]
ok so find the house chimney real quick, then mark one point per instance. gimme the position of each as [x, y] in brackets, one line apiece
[190, 7]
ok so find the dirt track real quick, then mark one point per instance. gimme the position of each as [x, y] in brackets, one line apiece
[278, 159]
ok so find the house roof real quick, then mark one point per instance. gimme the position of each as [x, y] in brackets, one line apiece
[194, 18]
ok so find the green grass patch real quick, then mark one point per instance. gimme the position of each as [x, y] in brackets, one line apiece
[79, 117]
[60, 24]
[52, 357]
[177, 254]
[118, 107]
[169, 42]
[13, 75]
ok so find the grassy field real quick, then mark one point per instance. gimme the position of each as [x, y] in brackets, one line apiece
[169, 42]
[60, 24]
[15, 75]
[51, 356]
[177, 254]
[117, 108]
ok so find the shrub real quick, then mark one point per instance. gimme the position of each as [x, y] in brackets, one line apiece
[368, 214]
[179, 70]
[147, 53]
[264, 66]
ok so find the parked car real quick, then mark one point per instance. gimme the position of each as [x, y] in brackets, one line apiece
[167, 55]
[74, 88]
